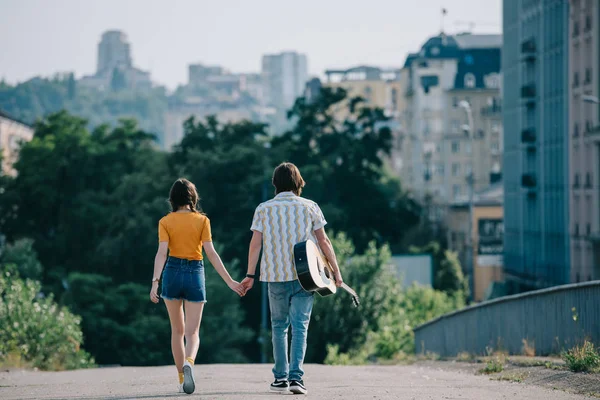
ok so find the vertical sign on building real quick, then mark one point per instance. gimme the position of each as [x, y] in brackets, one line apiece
[491, 242]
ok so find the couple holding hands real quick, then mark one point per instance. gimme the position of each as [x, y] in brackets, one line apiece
[277, 226]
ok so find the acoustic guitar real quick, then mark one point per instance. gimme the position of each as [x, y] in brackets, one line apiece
[314, 272]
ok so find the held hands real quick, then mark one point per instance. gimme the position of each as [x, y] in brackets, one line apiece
[237, 287]
[247, 283]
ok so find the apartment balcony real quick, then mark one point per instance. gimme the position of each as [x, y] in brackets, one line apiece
[529, 50]
[528, 181]
[488, 111]
[528, 136]
[528, 91]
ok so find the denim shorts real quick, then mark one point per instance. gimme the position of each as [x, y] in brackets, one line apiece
[184, 280]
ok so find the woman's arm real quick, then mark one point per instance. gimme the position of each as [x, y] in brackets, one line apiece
[159, 263]
[216, 262]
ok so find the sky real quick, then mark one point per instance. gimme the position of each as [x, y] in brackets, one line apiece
[42, 37]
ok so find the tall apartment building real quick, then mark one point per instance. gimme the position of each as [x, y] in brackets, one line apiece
[440, 150]
[584, 139]
[284, 78]
[536, 167]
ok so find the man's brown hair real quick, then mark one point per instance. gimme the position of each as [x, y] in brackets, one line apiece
[287, 178]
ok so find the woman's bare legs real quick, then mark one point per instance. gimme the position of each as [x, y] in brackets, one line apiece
[193, 317]
[175, 309]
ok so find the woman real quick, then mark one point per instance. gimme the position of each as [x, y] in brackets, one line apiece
[184, 232]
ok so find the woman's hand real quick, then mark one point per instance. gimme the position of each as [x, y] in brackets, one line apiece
[154, 292]
[237, 287]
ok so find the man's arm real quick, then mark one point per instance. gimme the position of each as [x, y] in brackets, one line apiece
[253, 253]
[327, 249]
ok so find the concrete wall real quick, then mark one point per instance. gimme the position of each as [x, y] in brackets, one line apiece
[544, 317]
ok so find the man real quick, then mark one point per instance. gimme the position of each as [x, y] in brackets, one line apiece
[277, 226]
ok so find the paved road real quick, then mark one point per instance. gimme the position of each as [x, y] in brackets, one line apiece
[251, 382]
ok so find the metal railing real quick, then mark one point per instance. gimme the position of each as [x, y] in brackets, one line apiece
[550, 320]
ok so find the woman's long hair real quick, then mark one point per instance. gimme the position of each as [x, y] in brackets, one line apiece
[183, 193]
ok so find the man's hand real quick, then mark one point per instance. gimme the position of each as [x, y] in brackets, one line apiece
[247, 284]
[338, 279]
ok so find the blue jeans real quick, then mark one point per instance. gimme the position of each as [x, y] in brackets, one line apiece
[289, 304]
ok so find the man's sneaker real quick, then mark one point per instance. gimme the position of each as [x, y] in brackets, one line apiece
[280, 386]
[297, 387]
[188, 378]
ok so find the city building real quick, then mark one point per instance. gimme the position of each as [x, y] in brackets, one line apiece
[448, 74]
[487, 227]
[115, 66]
[284, 78]
[535, 58]
[12, 133]
[378, 87]
[584, 139]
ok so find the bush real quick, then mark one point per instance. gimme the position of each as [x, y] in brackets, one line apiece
[35, 330]
[493, 366]
[382, 327]
[584, 358]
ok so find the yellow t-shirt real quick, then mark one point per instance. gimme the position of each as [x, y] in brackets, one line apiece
[185, 233]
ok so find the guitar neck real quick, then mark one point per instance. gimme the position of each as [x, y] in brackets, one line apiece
[349, 289]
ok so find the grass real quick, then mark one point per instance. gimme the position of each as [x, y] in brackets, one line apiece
[583, 358]
[513, 377]
[465, 357]
[493, 366]
[528, 348]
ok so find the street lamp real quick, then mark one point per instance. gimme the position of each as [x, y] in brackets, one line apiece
[470, 181]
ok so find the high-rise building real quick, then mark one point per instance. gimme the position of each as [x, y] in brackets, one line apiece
[113, 51]
[535, 58]
[441, 151]
[284, 78]
[584, 139]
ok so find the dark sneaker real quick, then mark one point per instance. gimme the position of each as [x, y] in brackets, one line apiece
[297, 387]
[280, 386]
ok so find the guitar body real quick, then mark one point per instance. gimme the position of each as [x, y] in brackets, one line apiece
[314, 272]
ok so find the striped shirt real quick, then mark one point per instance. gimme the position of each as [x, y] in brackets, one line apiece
[285, 220]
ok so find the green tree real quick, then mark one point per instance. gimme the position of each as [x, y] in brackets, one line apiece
[22, 255]
[448, 272]
[341, 160]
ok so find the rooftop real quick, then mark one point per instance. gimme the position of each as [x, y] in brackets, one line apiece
[7, 116]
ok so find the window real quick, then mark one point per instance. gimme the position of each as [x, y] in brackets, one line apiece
[576, 130]
[588, 229]
[439, 169]
[495, 146]
[588, 75]
[455, 169]
[455, 146]
[576, 233]
[456, 191]
[495, 127]
[468, 148]
[588, 23]
[576, 79]
[575, 28]
[588, 180]
[468, 169]
[368, 92]
[576, 180]
[469, 80]
[455, 102]
[455, 126]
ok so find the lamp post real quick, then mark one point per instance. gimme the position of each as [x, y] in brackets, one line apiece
[264, 288]
[470, 182]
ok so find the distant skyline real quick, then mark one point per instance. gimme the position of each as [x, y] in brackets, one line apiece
[41, 37]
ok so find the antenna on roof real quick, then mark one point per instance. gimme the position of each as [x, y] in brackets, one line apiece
[444, 12]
